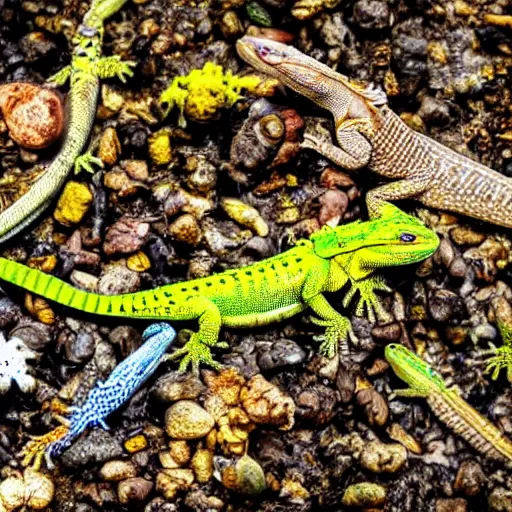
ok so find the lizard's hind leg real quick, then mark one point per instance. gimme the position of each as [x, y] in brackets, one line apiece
[197, 350]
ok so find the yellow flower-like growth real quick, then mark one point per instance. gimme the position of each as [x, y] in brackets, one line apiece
[202, 92]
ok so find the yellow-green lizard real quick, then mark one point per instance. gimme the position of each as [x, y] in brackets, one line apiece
[370, 134]
[85, 71]
[447, 403]
[271, 290]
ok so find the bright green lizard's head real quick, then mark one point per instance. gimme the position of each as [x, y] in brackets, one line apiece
[394, 238]
[412, 369]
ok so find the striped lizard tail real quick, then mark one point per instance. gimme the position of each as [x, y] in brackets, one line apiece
[61, 292]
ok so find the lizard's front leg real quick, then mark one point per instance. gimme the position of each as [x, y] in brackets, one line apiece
[197, 349]
[354, 151]
[110, 67]
[402, 189]
[337, 327]
[368, 298]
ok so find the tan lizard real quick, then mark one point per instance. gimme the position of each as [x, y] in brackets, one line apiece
[370, 134]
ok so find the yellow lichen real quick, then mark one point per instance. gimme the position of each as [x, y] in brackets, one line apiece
[202, 92]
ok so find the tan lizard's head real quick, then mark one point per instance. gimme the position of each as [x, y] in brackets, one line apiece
[300, 72]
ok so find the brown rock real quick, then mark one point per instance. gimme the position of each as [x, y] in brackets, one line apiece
[470, 478]
[451, 505]
[125, 236]
[133, 489]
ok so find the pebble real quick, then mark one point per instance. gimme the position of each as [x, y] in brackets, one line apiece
[177, 386]
[117, 279]
[245, 215]
[333, 205]
[202, 464]
[170, 481]
[466, 236]
[33, 114]
[451, 505]
[266, 403]
[125, 236]
[186, 229]
[118, 180]
[116, 470]
[136, 169]
[383, 458]
[372, 14]
[470, 478]
[79, 346]
[434, 111]
[136, 444]
[138, 262]
[109, 147]
[35, 335]
[500, 500]
[97, 447]
[73, 204]
[389, 333]
[187, 420]
[445, 305]
[244, 475]
[84, 281]
[133, 490]
[364, 494]
[278, 354]
[180, 451]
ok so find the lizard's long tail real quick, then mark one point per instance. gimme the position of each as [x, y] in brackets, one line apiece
[139, 304]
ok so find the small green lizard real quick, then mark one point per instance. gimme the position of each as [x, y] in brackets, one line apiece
[85, 71]
[370, 134]
[271, 290]
[447, 403]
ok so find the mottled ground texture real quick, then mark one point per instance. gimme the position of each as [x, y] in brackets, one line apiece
[317, 433]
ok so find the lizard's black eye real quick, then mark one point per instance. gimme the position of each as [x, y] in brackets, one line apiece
[407, 237]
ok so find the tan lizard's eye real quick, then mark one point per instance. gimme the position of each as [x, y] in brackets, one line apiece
[407, 237]
[269, 55]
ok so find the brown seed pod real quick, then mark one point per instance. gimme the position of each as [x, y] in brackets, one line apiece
[33, 114]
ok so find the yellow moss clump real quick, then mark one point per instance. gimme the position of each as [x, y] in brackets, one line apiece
[202, 92]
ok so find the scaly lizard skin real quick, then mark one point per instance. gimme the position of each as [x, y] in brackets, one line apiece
[106, 397]
[447, 403]
[85, 71]
[271, 290]
[370, 134]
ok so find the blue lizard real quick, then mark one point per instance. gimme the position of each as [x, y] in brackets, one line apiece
[121, 384]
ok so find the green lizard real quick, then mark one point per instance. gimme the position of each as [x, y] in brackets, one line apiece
[447, 403]
[85, 71]
[370, 134]
[271, 290]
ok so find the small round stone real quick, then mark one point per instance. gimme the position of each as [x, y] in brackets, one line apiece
[187, 420]
[116, 470]
[133, 489]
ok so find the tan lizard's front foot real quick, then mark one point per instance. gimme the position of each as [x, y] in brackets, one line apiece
[196, 352]
[368, 299]
[341, 157]
[338, 330]
[85, 162]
